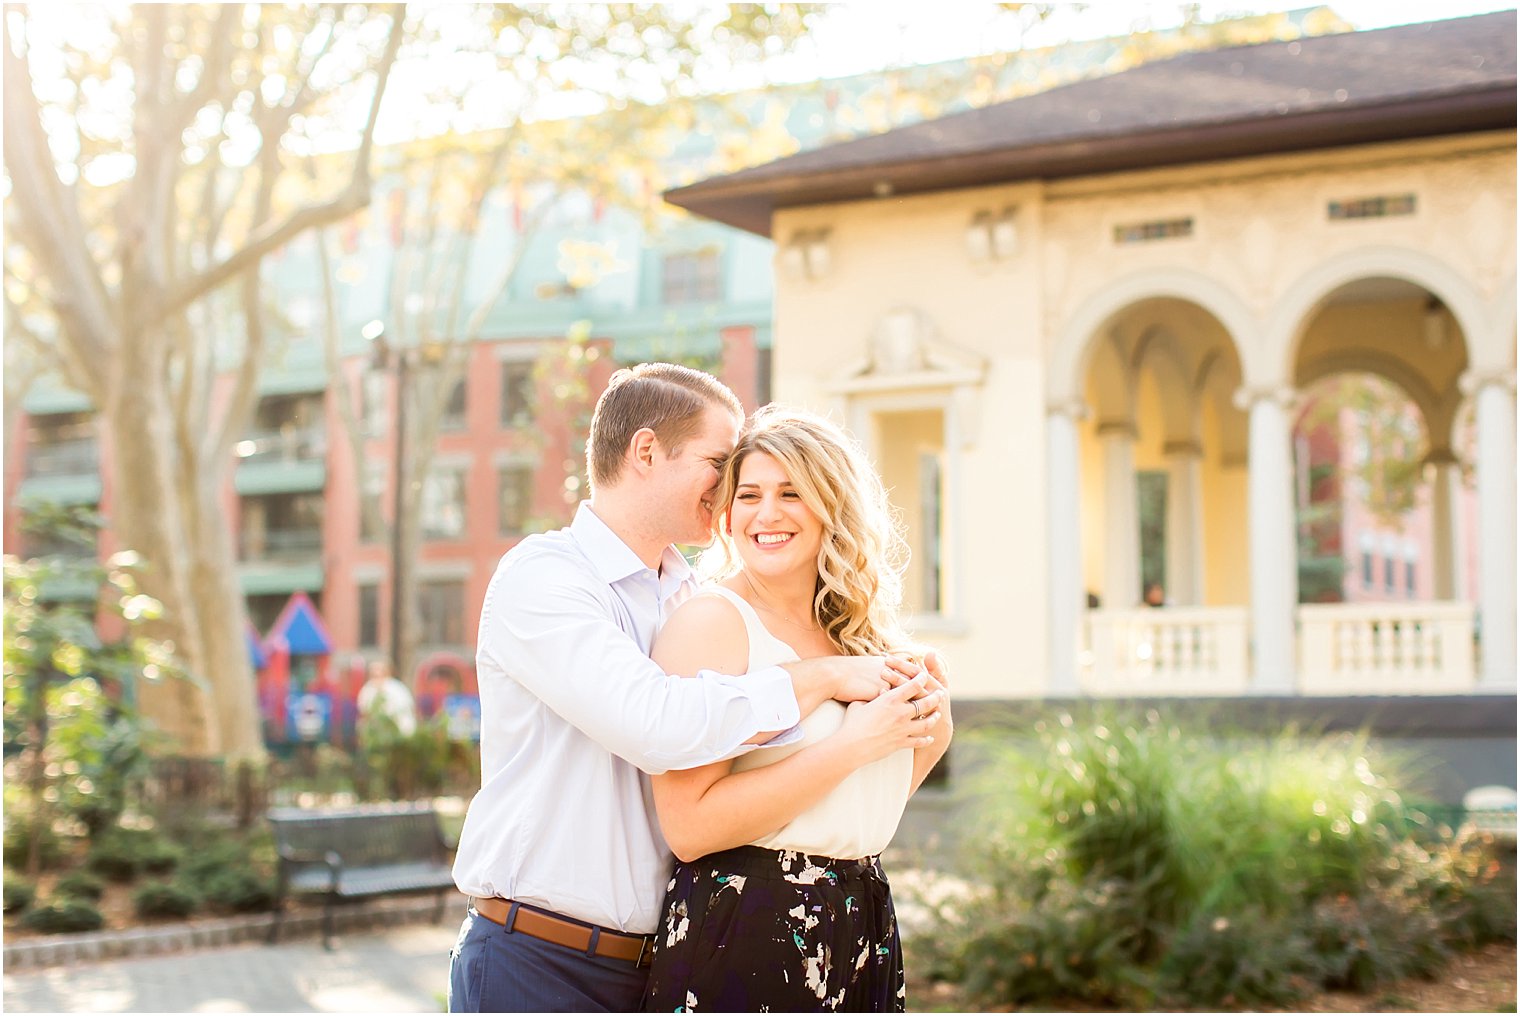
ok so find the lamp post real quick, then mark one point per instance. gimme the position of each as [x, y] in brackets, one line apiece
[385, 356]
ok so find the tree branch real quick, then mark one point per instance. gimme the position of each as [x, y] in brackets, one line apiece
[273, 236]
[52, 221]
[352, 425]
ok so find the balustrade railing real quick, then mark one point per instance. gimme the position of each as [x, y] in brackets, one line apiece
[284, 444]
[1385, 648]
[281, 545]
[72, 457]
[1167, 651]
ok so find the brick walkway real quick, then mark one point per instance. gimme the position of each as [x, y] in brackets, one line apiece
[402, 969]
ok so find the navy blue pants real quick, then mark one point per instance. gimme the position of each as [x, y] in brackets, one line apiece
[492, 969]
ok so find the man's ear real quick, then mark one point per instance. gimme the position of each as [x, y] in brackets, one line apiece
[642, 448]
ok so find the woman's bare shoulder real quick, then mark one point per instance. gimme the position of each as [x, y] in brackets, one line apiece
[704, 633]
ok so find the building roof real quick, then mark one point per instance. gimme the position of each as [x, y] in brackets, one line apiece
[1442, 77]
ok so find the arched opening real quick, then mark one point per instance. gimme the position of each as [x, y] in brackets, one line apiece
[1162, 451]
[1162, 481]
[1381, 504]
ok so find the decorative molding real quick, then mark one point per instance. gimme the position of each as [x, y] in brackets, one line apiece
[1246, 397]
[905, 351]
[1118, 428]
[1474, 381]
[1076, 409]
[1189, 449]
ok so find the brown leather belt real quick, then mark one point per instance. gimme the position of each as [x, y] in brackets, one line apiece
[635, 949]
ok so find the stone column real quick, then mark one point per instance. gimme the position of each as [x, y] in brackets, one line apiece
[1274, 551]
[1066, 599]
[1444, 553]
[1494, 395]
[1121, 517]
[1184, 523]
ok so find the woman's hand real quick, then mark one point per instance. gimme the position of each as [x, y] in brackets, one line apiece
[896, 719]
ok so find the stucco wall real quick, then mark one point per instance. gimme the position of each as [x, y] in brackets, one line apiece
[1233, 301]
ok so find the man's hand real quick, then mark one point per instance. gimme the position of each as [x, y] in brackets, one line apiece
[846, 678]
[865, 677]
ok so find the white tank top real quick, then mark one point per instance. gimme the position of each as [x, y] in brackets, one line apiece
[859, 816]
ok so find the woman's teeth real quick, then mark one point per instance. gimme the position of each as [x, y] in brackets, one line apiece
[770, 538]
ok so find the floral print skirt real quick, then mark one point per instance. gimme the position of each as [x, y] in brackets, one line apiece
[758, 930]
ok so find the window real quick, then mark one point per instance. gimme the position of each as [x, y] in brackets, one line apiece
[1366, 569]
[516, 394]
[692, 277]
[909, 449]
[441, 604]
[514, 487]
[1390, 574]
[929, 488]
[763, 375]
[1409, 579]
[454, 413]
[1372, 208]
[369, 616]
[1144, 232]
[443, 503]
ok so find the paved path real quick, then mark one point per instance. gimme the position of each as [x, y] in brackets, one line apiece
[403, 969]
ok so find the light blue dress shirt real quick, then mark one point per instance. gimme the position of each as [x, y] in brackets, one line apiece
[573, 711]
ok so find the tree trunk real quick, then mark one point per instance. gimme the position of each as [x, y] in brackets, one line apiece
[219, 599]
[149, 521]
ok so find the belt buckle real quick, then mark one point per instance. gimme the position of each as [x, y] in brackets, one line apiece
[646, 943]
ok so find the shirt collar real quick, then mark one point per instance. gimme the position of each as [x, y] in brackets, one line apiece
[613, 559]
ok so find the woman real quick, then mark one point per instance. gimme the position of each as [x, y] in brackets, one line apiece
[779, 901]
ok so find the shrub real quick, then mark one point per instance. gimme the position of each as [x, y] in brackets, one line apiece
[19, 832]
[65, 915]
[19, 893]
[1134, 862]
[1233, 962]
[238, 891]
[162, 899]
[1470, 890]
[80, 885]
[1362, 942]
[1051, 939]
[121, 854]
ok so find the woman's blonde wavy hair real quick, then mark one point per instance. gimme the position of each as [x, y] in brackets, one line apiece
[863, 554]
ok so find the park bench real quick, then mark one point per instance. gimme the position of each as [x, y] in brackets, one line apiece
[356, 853]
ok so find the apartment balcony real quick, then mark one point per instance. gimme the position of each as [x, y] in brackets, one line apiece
[282, 460]
[1343, 649]
[280, 561]
[62, 472]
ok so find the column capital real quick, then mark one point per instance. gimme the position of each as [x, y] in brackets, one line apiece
[1186, 449]
[1473, 381]
[1441, 457]
[1284, 395]
[1117, 428]
[1074, 409]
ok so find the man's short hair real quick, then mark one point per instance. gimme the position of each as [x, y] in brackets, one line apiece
[667, 398]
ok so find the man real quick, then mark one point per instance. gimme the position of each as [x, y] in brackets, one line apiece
[560, 849]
